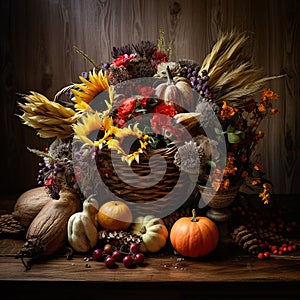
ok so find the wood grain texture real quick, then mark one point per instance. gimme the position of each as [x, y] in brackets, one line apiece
[157, 268]
[37, 39]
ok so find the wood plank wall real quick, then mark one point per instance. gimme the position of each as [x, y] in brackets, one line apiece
[37, 37]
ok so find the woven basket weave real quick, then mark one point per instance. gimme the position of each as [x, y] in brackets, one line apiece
[161, 185]
[219, 199]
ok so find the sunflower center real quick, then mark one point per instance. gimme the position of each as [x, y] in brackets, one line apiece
[100, 135]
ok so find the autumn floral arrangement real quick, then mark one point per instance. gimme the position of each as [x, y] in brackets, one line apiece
[141, 101]
[240, 124]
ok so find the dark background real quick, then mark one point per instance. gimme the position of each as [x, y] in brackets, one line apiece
[37, 38]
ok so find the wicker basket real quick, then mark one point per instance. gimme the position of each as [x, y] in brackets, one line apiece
[158, 186]
[219, 199]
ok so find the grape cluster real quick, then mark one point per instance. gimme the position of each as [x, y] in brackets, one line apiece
[198, 79]
[112, 254]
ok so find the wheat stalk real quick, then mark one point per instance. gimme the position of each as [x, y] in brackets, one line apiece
[50, 118]
[232, 74]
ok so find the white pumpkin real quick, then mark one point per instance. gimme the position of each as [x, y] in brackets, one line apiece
[153, 231]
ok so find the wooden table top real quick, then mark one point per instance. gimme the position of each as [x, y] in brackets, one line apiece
[230, 274]
[233, 274]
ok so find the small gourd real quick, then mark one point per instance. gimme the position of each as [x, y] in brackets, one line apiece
[114, 215]
[194, 237]
[82, 227]
[153, 231]
[176, 91]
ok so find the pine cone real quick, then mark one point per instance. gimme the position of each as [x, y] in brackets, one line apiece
[10, 227]
[121, 237]
[272, 238]
[244, 238]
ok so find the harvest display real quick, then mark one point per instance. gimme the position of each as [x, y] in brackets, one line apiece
[131, 144]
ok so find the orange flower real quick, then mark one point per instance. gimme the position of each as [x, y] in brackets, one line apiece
[230, 169]
[227, 112]
[269, 94]
[274, 111]
[265, 195]
[261, 107]
[225, 184]
[256, 181]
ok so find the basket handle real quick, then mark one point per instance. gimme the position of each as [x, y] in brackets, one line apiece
[63, 91]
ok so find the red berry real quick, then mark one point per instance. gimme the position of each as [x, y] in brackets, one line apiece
[117, 255]
[266, 254]
[134, 248]
[107, 249]
[275, 251]
[139, 258]
[260, 256]
[290, 248]
[110, 262]
[280, 252]
[128, 261]
[97, 254]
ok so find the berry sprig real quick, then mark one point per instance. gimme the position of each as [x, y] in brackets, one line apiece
[112, 254]
[269, 229]
[267, 250]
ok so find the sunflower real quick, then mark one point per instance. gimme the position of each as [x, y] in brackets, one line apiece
[129, 142]
[93, 125]
[89, 89]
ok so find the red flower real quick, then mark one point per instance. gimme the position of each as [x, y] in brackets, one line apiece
[159, 57]
[144, 101]
[119, 121]
[123, 60]
[162, 124]
[127, 106]
[48, 182]
[158, 122]
[145, 91]
[165, 109]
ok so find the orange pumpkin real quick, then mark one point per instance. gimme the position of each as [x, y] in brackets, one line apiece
[194, 237]
[114, 215]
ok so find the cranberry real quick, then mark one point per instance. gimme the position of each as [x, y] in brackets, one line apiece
[128, 261]
[97, 254]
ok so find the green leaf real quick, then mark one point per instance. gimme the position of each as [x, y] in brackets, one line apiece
[237, 132]
[233, 138]
[211, 163]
